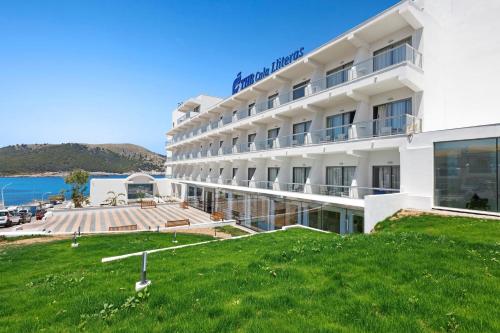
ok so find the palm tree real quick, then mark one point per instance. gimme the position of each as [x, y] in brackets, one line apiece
[114, 199]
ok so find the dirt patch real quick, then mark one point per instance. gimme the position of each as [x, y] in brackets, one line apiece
[405, 213]
[32, 240]
[201, 231]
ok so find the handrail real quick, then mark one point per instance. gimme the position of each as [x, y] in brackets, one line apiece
[401, 54]
[352, 192]
[397, 125]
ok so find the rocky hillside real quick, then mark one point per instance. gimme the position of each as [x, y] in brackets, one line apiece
[44, 158]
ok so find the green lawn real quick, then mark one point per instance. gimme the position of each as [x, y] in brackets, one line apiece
[419, 274]
[233, 231]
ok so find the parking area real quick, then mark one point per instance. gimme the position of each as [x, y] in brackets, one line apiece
[99, 220]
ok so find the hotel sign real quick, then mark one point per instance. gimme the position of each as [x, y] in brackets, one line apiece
[241, 83]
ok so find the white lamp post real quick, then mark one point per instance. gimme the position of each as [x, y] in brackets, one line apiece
[3, 188]
[44, 194]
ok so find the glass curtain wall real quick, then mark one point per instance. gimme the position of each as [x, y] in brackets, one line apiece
[467, 174]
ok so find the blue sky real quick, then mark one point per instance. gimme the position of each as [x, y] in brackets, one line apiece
[112, 71]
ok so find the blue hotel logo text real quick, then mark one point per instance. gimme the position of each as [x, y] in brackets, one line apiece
[241, 83]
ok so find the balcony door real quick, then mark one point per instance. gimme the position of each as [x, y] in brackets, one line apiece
[272, 176]
[390, 118]
[391, 54]
[386, 177]
[251, 173]
[272, 101]
[272, 134]
[338, 126]
[338, 75]
[300, 132]
[340, 178]
[251, 141]
[299, 178]
[299, 90]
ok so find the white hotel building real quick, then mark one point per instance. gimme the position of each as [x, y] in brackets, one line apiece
[398, 112]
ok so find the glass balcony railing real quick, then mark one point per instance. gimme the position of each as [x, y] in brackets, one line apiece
[352, 192]
[404, 124]
[399, 55]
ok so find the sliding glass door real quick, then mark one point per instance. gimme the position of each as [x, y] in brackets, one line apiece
[390, 55]
[390, 118]
[300, 176]
[340, 178]
[385, 177]
[338, 126]
[300, 132]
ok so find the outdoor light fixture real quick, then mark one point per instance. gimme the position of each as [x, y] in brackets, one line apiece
[144, 282]
[74, 243]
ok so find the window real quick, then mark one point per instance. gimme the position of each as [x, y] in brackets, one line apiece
[390, 55]
[235, 171]
[272, 134]
[300, 132]
[221, 143]
[272, 176]
[251, 109]
[221, 170]
[390, 118]
[251, 141]
[340, 177]
[196, 109]
[338, 75]
[338, 126]
[272, 101]
[299, 90]
[136, 191]
[251, 173]
[235, 114]
[385, 177]
[466, 174]
[299, 176]
[235, 141]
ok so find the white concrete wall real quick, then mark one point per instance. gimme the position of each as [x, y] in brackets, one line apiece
[99, 188]
[461, 48]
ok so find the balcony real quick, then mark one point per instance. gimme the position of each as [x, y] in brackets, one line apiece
[349, 192]
[404, 54]
[186, 116]
[384, 127]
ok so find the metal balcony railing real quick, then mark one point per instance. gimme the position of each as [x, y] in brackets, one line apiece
[352, 192]
[399, 55]
[404, 124]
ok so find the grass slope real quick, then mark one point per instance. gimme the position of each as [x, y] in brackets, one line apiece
[296, 281]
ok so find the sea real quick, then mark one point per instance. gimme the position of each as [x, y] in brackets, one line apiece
[23, 190]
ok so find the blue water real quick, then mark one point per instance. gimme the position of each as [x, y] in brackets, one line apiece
[26, 189]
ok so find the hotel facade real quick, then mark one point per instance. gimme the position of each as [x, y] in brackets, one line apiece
[398, 112]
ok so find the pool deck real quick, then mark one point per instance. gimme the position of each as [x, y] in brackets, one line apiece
[100, 219]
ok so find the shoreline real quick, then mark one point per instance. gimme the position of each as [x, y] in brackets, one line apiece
[64, 174]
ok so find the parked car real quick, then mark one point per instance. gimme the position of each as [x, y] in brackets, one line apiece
[40, 214]
[14, 215]
[25, 215]
[5, 220]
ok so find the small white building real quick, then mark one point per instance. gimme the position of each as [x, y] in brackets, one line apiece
[130, 187]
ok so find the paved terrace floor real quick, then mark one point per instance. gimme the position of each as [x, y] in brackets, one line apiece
[98, 220]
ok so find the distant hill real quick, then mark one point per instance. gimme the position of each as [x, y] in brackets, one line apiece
[50, 158]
